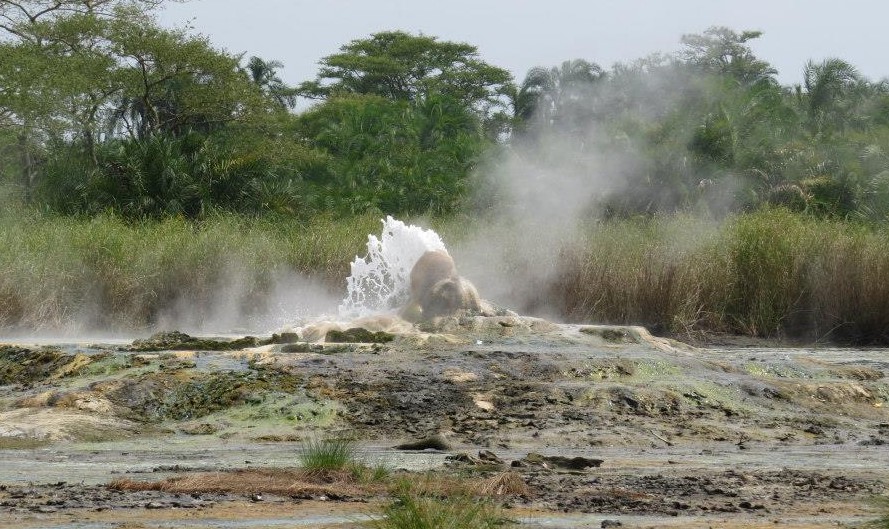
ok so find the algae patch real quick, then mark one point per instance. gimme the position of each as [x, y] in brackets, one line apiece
[179, 341]
[358, 335]
[21, 365]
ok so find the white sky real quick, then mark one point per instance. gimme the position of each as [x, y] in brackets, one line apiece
[520, 34]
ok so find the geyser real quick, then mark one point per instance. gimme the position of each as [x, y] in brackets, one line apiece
[380, 282]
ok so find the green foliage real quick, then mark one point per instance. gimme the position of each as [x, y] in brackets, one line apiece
[392, 156]
[710, 128]
[559, 98]
[328, 454]
[263, 74]
[402, 67]
[722, 51]
[97, 85]
[151, 122]
[189, 175]
[768, 256]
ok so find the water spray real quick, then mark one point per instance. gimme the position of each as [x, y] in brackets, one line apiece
[380, 282]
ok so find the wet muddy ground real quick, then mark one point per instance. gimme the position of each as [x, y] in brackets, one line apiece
[681, 436]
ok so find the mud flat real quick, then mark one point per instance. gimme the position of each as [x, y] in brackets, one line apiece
[601, 424]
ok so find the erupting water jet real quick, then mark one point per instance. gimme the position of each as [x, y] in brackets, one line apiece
[408, 267]
[379, 282]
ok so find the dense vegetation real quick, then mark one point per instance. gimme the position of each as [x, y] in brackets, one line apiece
[137, 163]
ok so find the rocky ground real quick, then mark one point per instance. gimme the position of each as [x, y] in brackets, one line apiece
[603, 425]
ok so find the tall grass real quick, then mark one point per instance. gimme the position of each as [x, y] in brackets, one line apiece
[882, 503]
[59, 272]
[771, 273]
[662, 273]
[767, 274]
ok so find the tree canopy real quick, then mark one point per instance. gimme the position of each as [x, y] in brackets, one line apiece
[102, 108]
[400, 66]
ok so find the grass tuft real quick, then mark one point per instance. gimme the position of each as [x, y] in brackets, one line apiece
[328, 454]
[415, 511]
[504, 484]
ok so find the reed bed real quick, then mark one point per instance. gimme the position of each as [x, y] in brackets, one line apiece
[771, 274]
[74, 274]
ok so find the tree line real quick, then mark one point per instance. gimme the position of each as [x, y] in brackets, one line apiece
[103, 109]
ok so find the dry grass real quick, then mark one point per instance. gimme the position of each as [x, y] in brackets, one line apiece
[434, 484]
[504, 484]
[770, 274]
[284, 482]
[67, 273]
[330, 483]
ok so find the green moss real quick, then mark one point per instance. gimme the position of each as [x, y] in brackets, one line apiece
[105, 364]
[656, 370]
[709, 395]
[178, 341]
[358, 335]
[770, 370]
[189, 395]
[606, 369]
[21, 365]
[614, 335]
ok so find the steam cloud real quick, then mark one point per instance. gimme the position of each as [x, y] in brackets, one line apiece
[539, 195]
[235, 308]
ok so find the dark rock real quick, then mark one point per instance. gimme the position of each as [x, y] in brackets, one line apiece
[489, 457]
[203, 428]
[300, 348]
[436, 442]
[561, 462]
[610, 523]
[283, 338]
[462, 458]
[814, 429]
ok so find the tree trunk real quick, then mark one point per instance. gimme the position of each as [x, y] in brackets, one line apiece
[27, 163]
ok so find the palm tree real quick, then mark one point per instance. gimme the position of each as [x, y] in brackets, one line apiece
[833, 91]
[264, 75]
[554, 96]
[722, 51]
